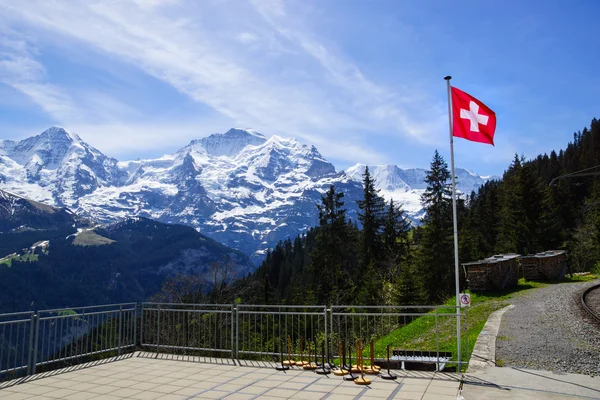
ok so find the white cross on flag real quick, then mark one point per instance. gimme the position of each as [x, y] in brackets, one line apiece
[472, 120]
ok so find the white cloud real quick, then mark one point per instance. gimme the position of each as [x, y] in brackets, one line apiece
[247, 38]
[205, 63]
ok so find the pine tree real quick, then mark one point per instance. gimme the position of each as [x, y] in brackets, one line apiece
[435, 258]
[328, 257]
[373, 208]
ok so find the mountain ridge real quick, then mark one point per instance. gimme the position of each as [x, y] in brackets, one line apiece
[244, 189]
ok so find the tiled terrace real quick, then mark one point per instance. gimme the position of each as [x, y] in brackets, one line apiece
[150, 376]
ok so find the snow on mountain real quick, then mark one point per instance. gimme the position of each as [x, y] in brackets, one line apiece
[55, 166]
[407, 185]
[239, 187]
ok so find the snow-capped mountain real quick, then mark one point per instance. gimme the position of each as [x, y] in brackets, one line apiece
[407, 185]
[55, 167]
[239, 187]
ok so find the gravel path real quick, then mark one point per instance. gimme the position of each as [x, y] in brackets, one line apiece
[548, 330]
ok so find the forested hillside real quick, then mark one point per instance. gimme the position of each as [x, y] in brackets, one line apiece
[534, 207]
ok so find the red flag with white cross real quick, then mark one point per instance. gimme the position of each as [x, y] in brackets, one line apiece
[471, 119]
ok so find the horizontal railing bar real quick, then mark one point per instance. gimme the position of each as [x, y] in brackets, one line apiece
[281, 313]
[427, 307]
[84, 315]
[187, 304]
[188, 348]
[397, 315]
[276, 306]
[16, 321]
[188, 310]
[16, 313]
[88, 307]
[4, 371]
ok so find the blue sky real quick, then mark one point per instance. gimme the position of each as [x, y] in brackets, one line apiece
[361, 80]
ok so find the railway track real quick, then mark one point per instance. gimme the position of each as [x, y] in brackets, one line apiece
[590, 300]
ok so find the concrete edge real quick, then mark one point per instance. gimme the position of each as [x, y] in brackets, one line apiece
[484, 351]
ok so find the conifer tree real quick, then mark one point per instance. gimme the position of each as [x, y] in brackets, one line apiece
[328, 257]
[373, 208]
[435, 258]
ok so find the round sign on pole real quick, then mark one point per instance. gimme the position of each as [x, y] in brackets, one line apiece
[465, 299]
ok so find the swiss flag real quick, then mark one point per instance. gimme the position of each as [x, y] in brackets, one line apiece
[472, 120]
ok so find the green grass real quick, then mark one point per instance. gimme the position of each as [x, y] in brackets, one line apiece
[580, 277]
[17, 257]
[420, 334]
[91, 238]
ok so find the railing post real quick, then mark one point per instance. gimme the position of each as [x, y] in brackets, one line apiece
[232, 334]
[158, 333]
[437, 342]
[30, 352]
[331, 329]
[326, 338]
[35, 345]
[120, 329]
[237, 332]
[135, 314]
[141, 324]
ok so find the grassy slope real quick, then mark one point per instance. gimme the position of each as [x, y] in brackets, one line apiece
[420, 334]
[91, 238]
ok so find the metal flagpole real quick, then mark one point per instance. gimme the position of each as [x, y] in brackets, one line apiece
[456, 276]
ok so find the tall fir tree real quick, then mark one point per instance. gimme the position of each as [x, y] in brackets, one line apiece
[328, 259]
[435, 257]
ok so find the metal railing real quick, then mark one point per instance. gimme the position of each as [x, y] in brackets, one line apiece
[188, 327]
[378, 323]
[67, 334]
[31, 342]
[16, 335]
[263, 330]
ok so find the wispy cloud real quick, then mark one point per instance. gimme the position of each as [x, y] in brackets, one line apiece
[309, 90]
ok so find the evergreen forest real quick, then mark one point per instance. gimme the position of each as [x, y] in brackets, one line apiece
[550, 202]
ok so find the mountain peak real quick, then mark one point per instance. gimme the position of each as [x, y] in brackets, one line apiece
[239, 132]
[59, 133]
[231, 142]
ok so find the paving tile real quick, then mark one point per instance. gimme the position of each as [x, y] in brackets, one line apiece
[107, 397]
[253, 389]
[82, 396]
[37, 390]
[188, 391]
[267, 383]
[210, 395]
[82, 386]
[320, 388]
[239, 396]
[183, 382]
[123, 383]
[17, 396]
[172, 396]
[125, 392]
[145, 385]
[104, 389]
[433, 396]
[442, 390]
[306, 395]
[60, 393]
[281, 393]
[409, 395]
[146, 395]
[167, 389]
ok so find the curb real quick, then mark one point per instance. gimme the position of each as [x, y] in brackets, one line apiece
[484, 352]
